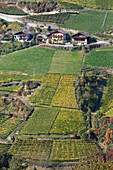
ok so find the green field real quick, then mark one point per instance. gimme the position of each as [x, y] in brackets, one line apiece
[40, 121]
[64, 62]
[89, 21]
[100, 58]
[41, 60]
[27, 60]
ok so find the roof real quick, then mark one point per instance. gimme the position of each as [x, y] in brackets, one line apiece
[22, 33]
[57, 31]
[82, 33]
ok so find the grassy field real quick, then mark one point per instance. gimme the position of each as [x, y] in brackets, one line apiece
[28, 59]
[64, 62]
[102, 57]
[41, 60]
[89, 21]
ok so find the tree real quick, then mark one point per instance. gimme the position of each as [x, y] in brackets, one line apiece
[49, 28]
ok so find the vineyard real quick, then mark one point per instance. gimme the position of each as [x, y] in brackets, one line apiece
[31, 149]
[109, 113]
[65, 93]
[68, 121]
[41, 121]
[61, 150]
[54, 121]
[55, 18]
[107, 100]
[6, 77]
[44, 95]
[6, 127]
[14, 88]
[65, 150]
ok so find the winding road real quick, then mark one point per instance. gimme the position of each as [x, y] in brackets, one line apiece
[11, 18]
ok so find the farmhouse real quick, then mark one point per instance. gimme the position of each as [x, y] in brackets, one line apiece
[22, 36]
[81, 38]
[57, 36]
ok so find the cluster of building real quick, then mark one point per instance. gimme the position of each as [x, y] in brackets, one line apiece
[55, 37]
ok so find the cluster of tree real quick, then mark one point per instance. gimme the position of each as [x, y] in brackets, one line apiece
[37, 7]
[27, 87]
[103, 127]
[3, 26]
[68, 5]
[89, 90]
[19, 46]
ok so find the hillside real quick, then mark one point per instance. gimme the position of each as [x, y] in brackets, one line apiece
[103, 4]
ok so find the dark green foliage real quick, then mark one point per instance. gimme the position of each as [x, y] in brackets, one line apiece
[87, 92]
[38, 7]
